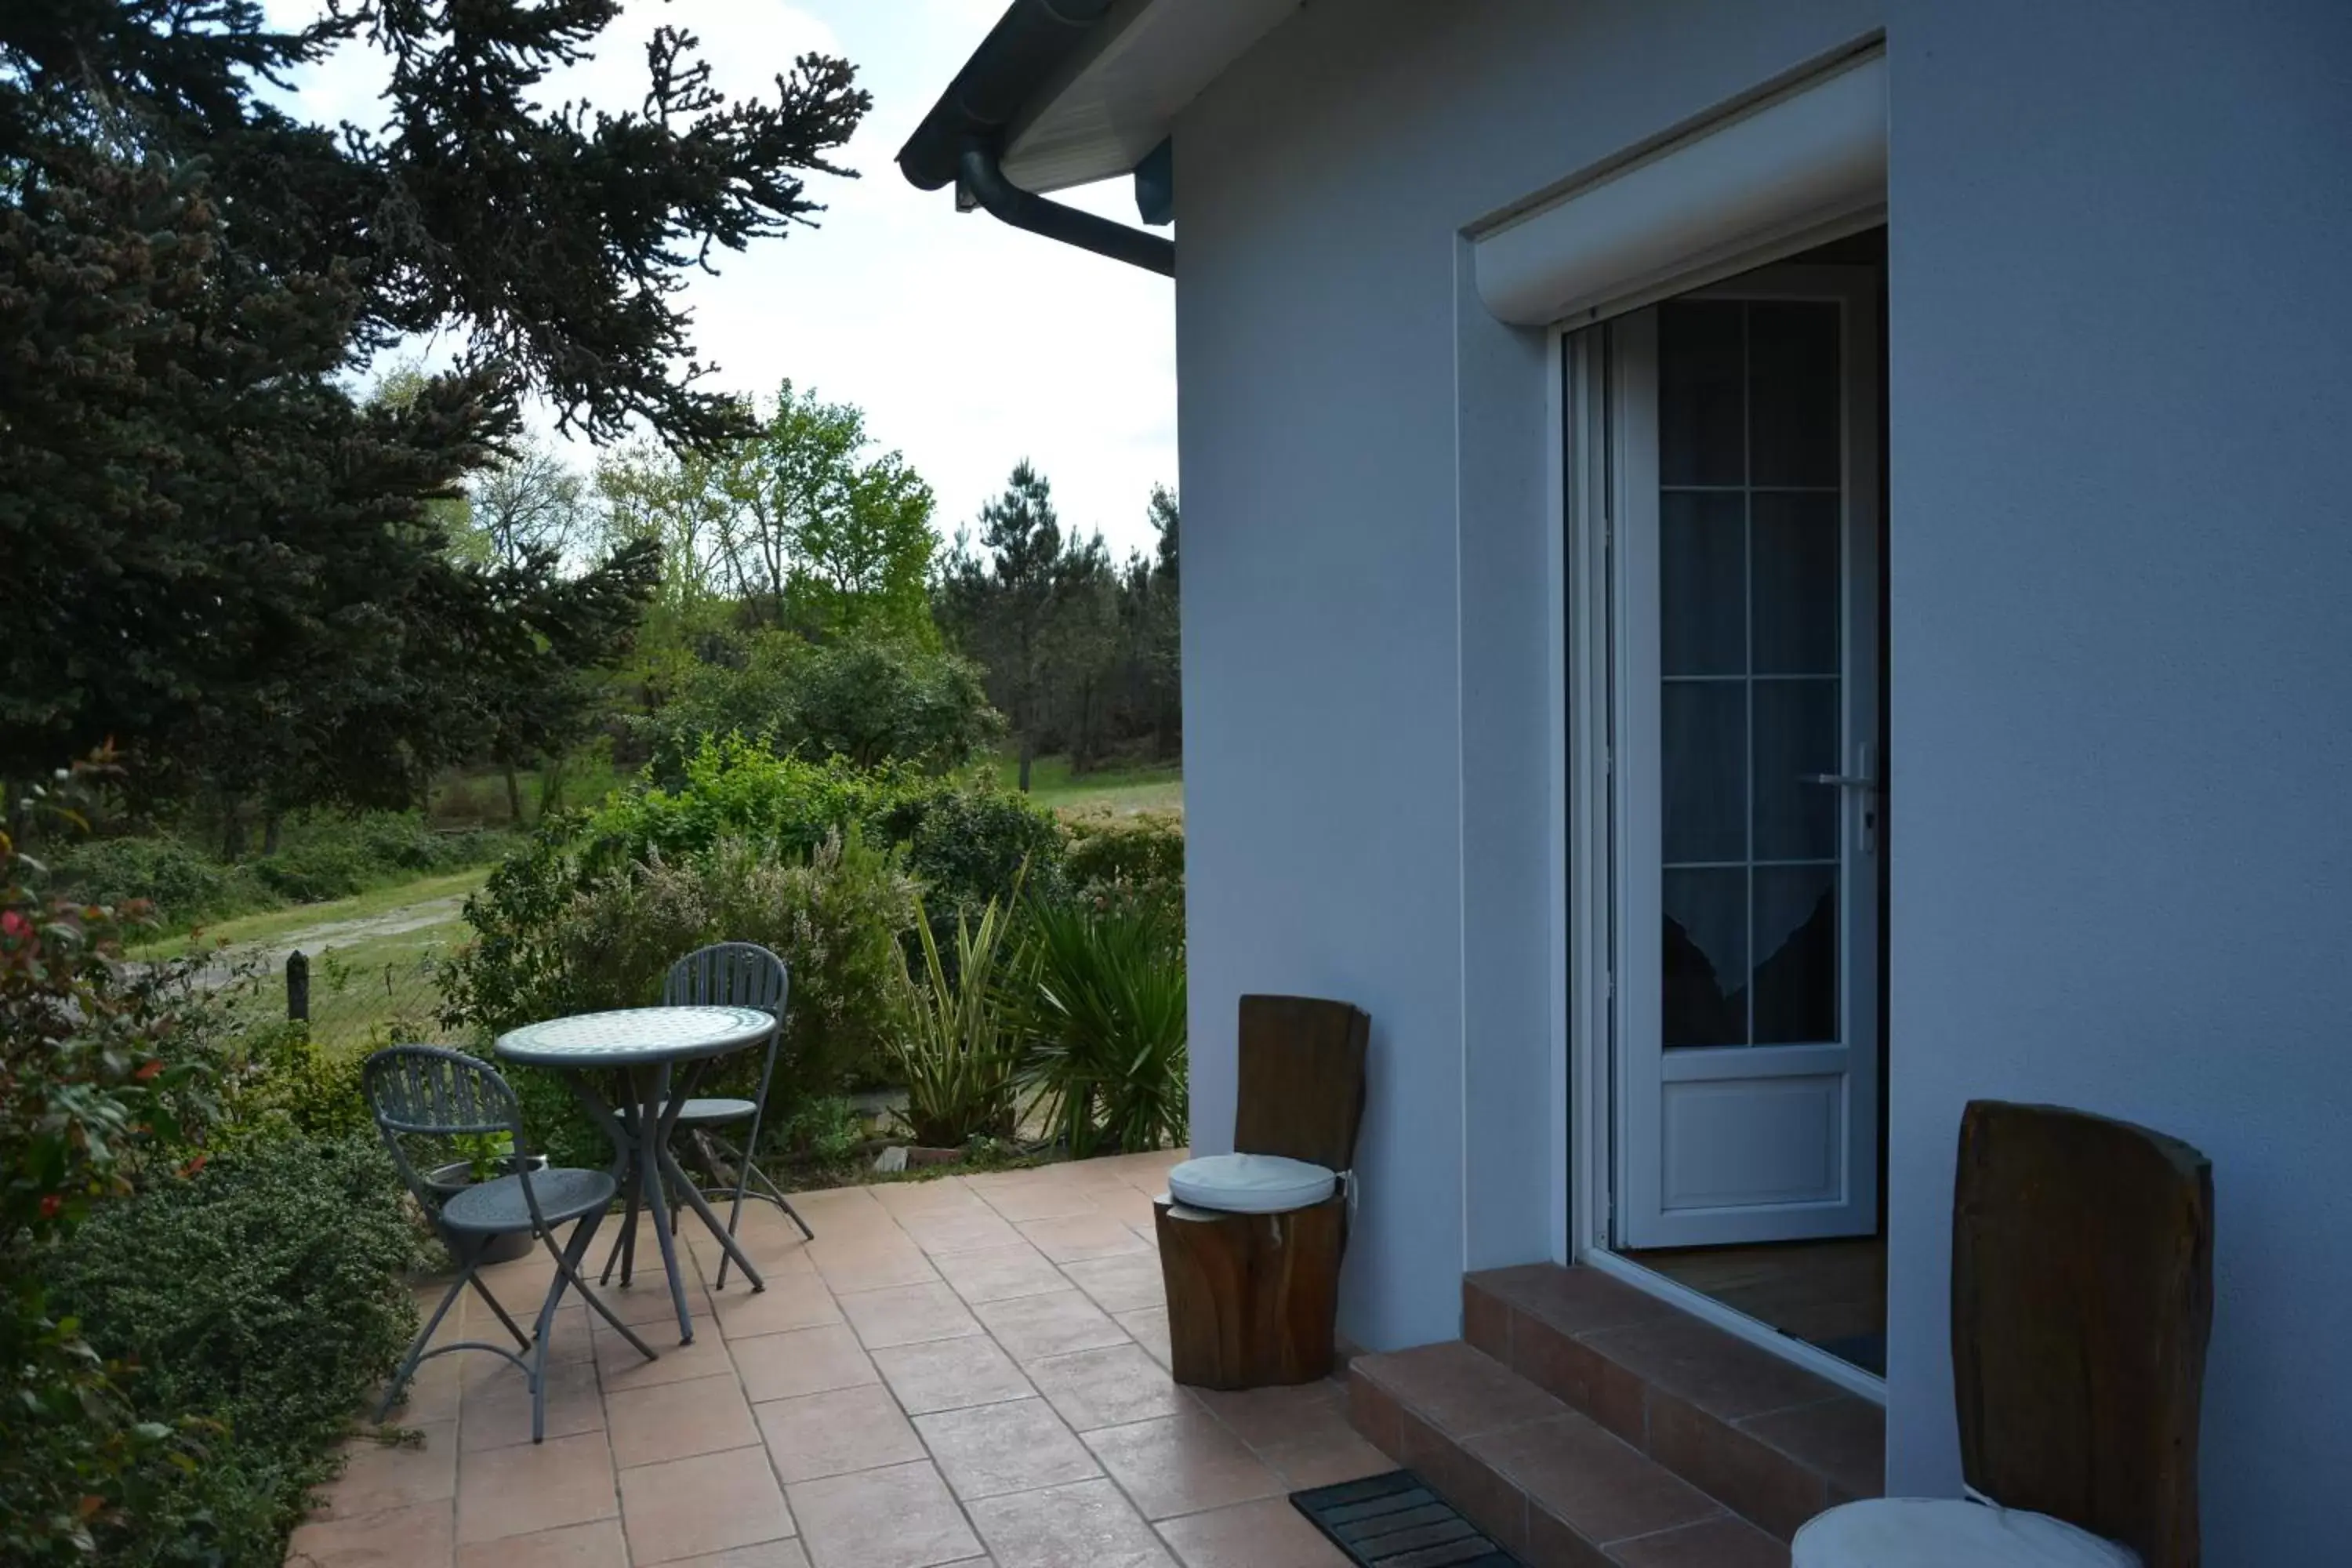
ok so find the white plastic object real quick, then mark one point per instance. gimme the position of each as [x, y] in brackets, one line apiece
[1946, 1532]
[1250, 1183]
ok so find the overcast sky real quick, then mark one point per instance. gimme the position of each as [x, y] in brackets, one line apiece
[969, 345]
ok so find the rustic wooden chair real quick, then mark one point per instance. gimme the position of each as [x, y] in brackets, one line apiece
[429, 1091]
[2082, 1297]
[1251, 1242]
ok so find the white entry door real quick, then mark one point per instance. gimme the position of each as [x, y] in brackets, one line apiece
[1746, 784]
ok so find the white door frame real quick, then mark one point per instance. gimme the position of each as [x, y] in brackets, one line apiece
[1582, 465]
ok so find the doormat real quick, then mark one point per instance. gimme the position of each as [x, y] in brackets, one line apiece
[1387, 1522]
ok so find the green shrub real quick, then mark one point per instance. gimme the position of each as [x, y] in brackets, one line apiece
[1126, 862]
[835, 916]
[957, 1051]
[260, 1298]
[183, 883]
[968, 844]
[98, 1082]
[276, 1082]
[1102, 1002]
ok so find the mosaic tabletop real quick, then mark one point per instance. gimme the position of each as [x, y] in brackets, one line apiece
[634, 1034]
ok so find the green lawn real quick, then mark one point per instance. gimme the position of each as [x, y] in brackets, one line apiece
[1051, 783]
[374, 958]
[287, 928]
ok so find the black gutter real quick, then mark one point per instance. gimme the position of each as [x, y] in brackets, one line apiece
[962, 138]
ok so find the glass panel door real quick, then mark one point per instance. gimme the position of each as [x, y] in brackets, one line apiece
[1746, 703]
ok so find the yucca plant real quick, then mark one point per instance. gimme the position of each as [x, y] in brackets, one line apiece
[957, 1050]
[1102, 1004]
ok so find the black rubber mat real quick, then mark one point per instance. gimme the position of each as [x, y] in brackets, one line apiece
[1396, 1522]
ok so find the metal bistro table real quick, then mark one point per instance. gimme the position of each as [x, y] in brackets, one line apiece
[642, 1045]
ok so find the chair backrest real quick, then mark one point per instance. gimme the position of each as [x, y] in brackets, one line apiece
[1301, 1088]
[429, 1091]
[2082, 1299]
[729, 974]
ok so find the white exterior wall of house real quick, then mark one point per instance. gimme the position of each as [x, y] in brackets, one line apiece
[2121, 616]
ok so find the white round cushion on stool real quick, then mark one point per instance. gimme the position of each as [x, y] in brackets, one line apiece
[1946, 1532]
[1250, 1183]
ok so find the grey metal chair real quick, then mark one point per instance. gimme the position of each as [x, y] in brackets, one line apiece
[726, 974]
[425, 1090]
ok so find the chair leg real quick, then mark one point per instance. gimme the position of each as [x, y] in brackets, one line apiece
[408, 1363]
[627, 1232]
[775, 1194]
[568, 1268]
[513, 1328]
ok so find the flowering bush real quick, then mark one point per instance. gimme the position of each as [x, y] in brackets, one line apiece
[91, 1096]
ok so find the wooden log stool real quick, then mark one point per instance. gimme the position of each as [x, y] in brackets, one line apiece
[1251, 1242]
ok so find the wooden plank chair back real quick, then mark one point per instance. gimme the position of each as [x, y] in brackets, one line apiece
[2081, 1300]
[1253, 1299]
[1301, 1079]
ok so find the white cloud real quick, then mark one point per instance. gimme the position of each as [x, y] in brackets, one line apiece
[969, 345]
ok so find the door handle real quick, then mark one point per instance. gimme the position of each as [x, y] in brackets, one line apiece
[1842, 781]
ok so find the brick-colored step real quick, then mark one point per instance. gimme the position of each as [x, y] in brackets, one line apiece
[1773, 1441]
[1546, 1481]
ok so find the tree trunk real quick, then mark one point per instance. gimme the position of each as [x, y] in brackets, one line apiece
[1028, 755]
[270, 831]
[551, 785]
[232, 833]
[514, 796]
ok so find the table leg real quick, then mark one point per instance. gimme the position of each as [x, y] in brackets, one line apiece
[655, 1155]
[694, 1201]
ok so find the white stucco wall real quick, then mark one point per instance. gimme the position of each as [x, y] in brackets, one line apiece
[2120, 344]
[1367, 768]
[2121, 558]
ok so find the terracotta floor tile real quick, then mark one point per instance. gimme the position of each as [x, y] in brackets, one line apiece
[786, 1553]
[1725, 1376]
[431, 1393]
[1108, 1387]
[1725, 1543]
[645, 1302]
[1148, 1328]
[1574, 1300]
[1842, 1438]
[943, 1194]
[690, 1507]
[1308, 1462]
[596, 1545]
[794, 1301]
[417, 1536]
[1260, 1416]
[1019, 1196]
[1182, 1464]
[802, 1360]
[1084, 1525]
[838, 1207]
[871, 1265]
[1055, 1323]
[903, 1517]
[1130, 1206]
[908, 1314]
[988, 1451]
[620, 1366]
[777, 1250]
[960, 1230]
[950, 1375]
[378, 1477]
[834, 1433]
[677, 1420]
[1000, 1273]
[496, 1412]
[1459, 1391]
[1125, 1282]
[1267, 1534]
[535, 1485]
[1072, 1238]
[1576, 1472]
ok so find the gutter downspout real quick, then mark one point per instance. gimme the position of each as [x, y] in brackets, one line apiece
[980, 177]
